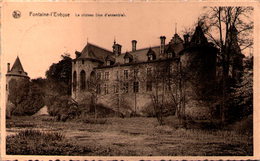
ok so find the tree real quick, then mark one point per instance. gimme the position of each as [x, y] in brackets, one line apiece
[59, 74]
[18, 92]
[241, 99]
[230, 29]
[26, 97]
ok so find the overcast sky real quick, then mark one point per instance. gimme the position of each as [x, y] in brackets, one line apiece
[39, 41]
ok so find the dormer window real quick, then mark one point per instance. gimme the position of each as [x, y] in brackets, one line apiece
[151, 55]
[127, 60]
[108, 62]
[128, 57]
[170, 55]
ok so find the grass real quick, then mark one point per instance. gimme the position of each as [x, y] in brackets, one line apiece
[118, 136]
[33, 142]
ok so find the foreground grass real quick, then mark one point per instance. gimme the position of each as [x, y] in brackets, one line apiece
[117, 136]
[33, 142]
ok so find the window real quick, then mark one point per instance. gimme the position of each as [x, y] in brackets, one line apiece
[149, 71]
[82, 61]
[149, 86]
[106, 75]
[106, 88]
[98, 76]
[127, 60]
[125, 74]
[82, 80]
[150, 57]
[74, 80]
[136, 73]
[136, 87]
[98, 89]
[108, 62]
[125, 87]
[116, 88]
[117, 75]
[168, 86]
[169, 55]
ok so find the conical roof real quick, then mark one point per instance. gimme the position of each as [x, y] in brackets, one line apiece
[198, 37]
[17, 69]
[17, 66]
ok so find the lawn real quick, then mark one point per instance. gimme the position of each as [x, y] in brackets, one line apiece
[137, 136]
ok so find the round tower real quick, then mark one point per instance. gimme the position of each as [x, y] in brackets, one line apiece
[82, 66]
[17, 74]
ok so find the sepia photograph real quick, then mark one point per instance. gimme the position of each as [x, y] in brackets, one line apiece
[127, 79]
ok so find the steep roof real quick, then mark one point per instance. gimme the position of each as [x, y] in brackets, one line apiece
[91, 51]
[176, 39]
[198, 38]
[17, 69]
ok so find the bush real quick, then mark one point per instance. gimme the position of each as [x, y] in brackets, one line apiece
[32, 142]
[64, 108]
[245, 126]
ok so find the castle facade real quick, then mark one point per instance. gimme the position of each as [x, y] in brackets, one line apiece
[133, 81]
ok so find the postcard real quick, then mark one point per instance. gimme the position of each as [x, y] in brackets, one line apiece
[129, 80]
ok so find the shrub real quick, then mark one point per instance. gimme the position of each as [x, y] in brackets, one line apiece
[245, 126]
[32, 142]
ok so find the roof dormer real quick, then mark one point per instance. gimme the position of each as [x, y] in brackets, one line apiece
[128, 57]
[109, 60]
[151, 55]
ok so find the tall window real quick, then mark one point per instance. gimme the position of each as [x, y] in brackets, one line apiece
[82, 80]
[116, 88]
[98, 76]
[136, 87]
[125, 87]
[149, 86]
[125, 74]
[117, 75]
[82, 61]
[149, 71]
[98, 89]
[106, 75]
[74, 80]
[106, 88]
[136, 73]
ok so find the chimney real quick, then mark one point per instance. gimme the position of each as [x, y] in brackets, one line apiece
[162, 46]
[134, 42]
[8, 67]
[186, 38]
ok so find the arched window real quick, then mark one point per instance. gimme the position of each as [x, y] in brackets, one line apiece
[82, 80]
[74, 80]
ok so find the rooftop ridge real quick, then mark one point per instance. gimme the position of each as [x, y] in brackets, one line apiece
[99, 47]
[146, 48]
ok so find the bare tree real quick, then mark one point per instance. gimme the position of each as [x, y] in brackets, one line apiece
[230, 29]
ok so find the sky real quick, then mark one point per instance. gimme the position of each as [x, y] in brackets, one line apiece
[39, 41]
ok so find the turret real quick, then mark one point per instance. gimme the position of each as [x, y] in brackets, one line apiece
[117, 49]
